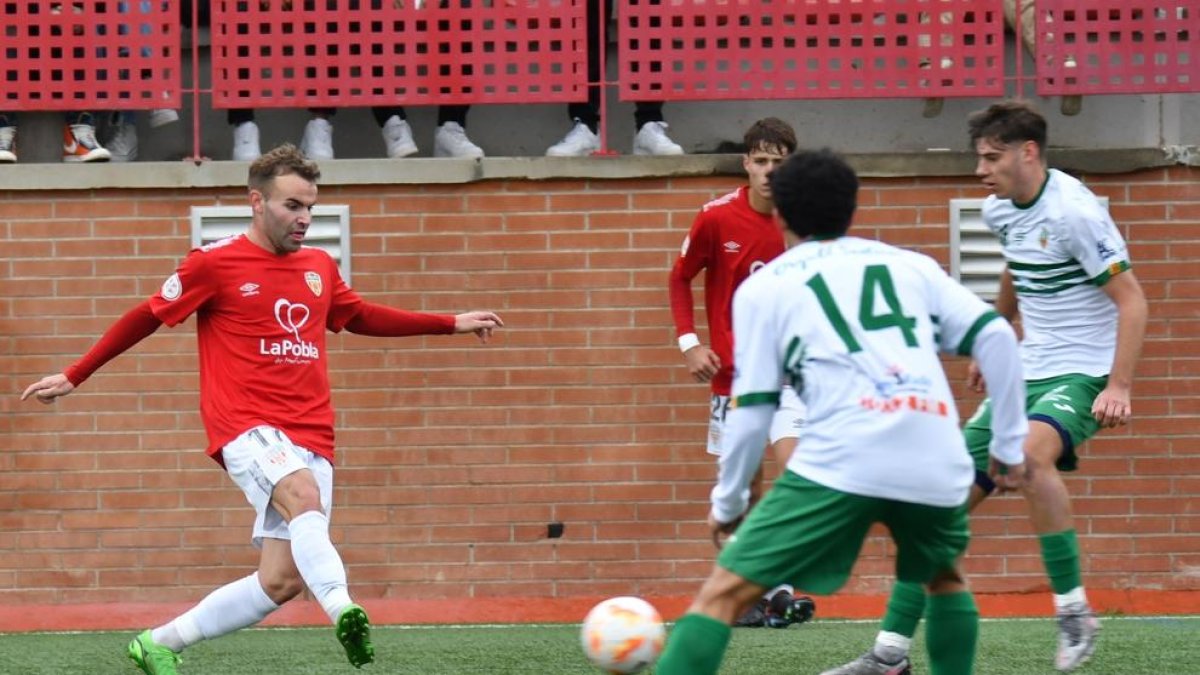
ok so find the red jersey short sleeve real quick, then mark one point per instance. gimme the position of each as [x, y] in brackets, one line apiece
[185, 291]
[344, 302]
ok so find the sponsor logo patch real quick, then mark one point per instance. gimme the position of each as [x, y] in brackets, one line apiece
[172, 288]
[291, 317]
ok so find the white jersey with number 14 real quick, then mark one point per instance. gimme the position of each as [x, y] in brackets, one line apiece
[856, 326]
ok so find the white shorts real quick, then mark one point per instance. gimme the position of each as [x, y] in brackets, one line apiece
[786, 423]
[260, 458]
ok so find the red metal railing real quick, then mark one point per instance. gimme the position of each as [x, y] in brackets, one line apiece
[87, 54]
[755, 49]
[125, 54]
[1117, 46]
[276, 53]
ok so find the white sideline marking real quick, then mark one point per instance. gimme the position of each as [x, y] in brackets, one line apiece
[469, 626]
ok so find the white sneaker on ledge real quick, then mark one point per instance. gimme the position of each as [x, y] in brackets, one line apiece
[122, 142]
[652, 139]
[580, 141]
[80, 144]
[162, 117]
[245, 142]
[8, 145]
[318, 139]
[450, 140]
[398, 138]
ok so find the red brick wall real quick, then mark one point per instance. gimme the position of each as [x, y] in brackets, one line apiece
[454, 457]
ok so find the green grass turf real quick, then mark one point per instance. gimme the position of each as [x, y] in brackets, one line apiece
[1128, 646]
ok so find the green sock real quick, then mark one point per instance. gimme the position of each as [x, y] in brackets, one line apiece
[1060, 555]
[696, 646]
[951, 630]
[904, 608]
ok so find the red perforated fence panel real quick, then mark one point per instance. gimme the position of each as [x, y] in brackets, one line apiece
[773, 49]
[89, 54]
[1118, 46]
[268, 53]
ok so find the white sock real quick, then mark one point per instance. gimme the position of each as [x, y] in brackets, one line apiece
[892, 647]
[319, 562]
[781, 587]
[1075, 596]
[231, 607]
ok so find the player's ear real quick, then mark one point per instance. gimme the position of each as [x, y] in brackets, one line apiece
[256, 201]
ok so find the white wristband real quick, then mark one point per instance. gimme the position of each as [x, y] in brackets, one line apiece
[687, 341]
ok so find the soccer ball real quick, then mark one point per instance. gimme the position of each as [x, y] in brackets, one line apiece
[623, 635]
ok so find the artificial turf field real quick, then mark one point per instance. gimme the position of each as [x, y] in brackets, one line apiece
[1128, 646]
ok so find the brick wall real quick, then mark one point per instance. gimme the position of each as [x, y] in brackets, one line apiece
[454, 457]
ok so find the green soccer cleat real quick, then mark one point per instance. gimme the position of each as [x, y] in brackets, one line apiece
[151, 657]
[354, 632]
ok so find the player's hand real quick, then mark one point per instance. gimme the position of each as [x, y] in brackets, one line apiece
[1009, 477]
[975, 378]
[479, 323]
[1112, 408]
[702, 362]
[49, 388]
[721, 531]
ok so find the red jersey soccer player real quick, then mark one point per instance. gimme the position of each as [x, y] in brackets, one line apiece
[263, 304]
[732, 237]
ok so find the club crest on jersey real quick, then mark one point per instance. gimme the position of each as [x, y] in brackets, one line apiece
[314, 283]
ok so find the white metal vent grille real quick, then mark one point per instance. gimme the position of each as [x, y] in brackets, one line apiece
[330, 229]
[976, 259]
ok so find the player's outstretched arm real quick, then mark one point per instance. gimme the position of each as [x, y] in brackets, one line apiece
[480, 323]
[133, 327]
[49, 388]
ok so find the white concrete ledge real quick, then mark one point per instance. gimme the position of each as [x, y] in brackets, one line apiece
[186, 174]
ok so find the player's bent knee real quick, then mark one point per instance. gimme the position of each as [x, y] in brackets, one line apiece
[281, 587]
[725, 595]
[296, 494]
[947, 581]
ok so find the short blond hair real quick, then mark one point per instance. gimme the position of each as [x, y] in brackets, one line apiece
[283, 160]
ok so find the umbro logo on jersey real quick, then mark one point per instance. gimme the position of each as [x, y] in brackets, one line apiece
[248, 289]
[732, 247]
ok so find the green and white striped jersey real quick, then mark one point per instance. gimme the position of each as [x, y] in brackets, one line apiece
[1060, 250]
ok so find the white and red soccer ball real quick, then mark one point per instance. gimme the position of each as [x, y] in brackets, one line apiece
[623, 635]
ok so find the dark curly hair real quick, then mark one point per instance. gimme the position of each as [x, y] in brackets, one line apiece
[815, 192]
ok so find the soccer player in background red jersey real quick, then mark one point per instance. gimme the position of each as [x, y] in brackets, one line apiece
[732, 237]
[263, 303]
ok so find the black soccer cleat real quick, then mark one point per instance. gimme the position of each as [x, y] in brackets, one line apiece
[755, 617]
[785, 610]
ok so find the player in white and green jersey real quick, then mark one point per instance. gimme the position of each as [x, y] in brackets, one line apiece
[855, 326]
[1083, 314]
